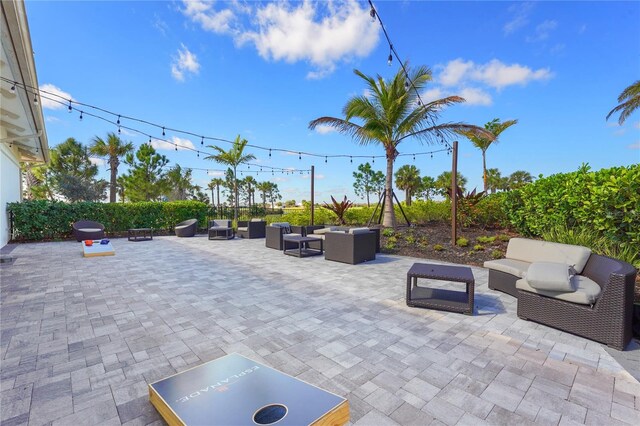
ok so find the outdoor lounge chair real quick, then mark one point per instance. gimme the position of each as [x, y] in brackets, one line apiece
[254, 228]
[275, 231]
[187, 228]
[220, 229]
[356, 246]
[88, 230]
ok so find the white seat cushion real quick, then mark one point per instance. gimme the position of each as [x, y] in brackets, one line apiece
[587, 291]
[243, 228]
[324, 230]
[550, 276]
[257, 220]
[509, 266]
[359, 230]
[528, 250]
[90, 229]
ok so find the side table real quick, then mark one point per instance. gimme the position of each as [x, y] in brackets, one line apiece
[438, 298]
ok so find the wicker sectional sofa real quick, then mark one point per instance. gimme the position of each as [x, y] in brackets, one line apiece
[599, 305]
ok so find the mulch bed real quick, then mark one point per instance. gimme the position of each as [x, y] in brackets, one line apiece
[433, 241]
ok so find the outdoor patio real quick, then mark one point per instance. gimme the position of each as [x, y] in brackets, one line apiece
[82, 337]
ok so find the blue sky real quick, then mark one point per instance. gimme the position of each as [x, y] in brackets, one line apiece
[264, 70]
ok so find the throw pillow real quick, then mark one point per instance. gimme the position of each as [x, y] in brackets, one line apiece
[550, 276]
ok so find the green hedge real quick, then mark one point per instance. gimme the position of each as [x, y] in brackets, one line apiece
[41, 219]
[607, 202]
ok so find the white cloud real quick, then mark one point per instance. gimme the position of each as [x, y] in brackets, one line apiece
[186, 62]
[322, 34]
[474, 96]
[543, 31]
[51, 119]
[212, 173]
[53, 92]
[432, 94]
[494, 73]
[519, 17]
[635, 145]
[97, 161]
[455, 71]
[182, 144]
[323, 129]
[316, 176]
[203, 13]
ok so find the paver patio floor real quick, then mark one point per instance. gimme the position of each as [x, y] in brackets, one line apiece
[82, 337]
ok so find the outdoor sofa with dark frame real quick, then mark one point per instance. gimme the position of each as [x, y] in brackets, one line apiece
[187, 228]
[252, 228]
[350, 247]
[275, 231]
[607, 319]
[88, 230]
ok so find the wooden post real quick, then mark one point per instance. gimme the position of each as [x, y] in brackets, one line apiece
[454, 194]
[312, 193]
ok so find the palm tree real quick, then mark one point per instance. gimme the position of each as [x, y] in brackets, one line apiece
[519, 178]
[215, 183]
[264, 188]
[629, 101]
[232, 158]
[111, 150]
[390, 114]
[408, 179]
[483, 143]
[251, 185]
[495, 181]
[443, 183]
[179, 184]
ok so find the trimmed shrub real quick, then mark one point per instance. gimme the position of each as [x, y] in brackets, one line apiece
[421, 212]
[42, 219]
[606, 202]
[462, 242]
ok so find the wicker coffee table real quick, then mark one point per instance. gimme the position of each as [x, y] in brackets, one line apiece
[439, 298]
[302, 246]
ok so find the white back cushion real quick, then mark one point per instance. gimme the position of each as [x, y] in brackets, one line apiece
[359, 230]
[544, 251]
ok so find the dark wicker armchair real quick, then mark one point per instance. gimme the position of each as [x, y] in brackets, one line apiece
[608, 321]
[350, 248]
[252, 228]
[88, 230]
[274, 236]
[187, 228]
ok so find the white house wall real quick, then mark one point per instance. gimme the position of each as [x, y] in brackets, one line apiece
[10, 189]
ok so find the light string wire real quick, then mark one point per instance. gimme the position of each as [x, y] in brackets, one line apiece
[54, 97]
[392, 51]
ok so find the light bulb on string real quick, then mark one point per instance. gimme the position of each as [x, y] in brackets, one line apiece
[269, 153]
[198, 153]
[373, 160]
[414, 157]
[325, 159]
[118, 122]
[202, 141]
[13, 87]
[406, 85]
[372, 13]
[351, 160]
[299, 156]
[163, 134]
[80, 115]
[70, 108]
[390, 58]
[176, 146]
[118, 129]
[35, 99]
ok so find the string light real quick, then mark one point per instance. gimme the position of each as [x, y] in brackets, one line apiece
[80, 115]
[390, 59]
[163, 132]
[13, 87]
[70, 108]
[325, 160]
[58, 99]
[35, 99]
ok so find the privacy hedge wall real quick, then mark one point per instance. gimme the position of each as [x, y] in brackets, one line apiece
[606, 201]
[41, 219]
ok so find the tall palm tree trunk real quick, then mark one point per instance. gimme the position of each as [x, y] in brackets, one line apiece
[114, 176]
[218, 195]
[389, 219]
[235, 190]
[368, 203]
[484, 169]
[407, 196]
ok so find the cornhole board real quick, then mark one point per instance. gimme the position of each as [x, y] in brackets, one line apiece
[234, 390]
[97, 249]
